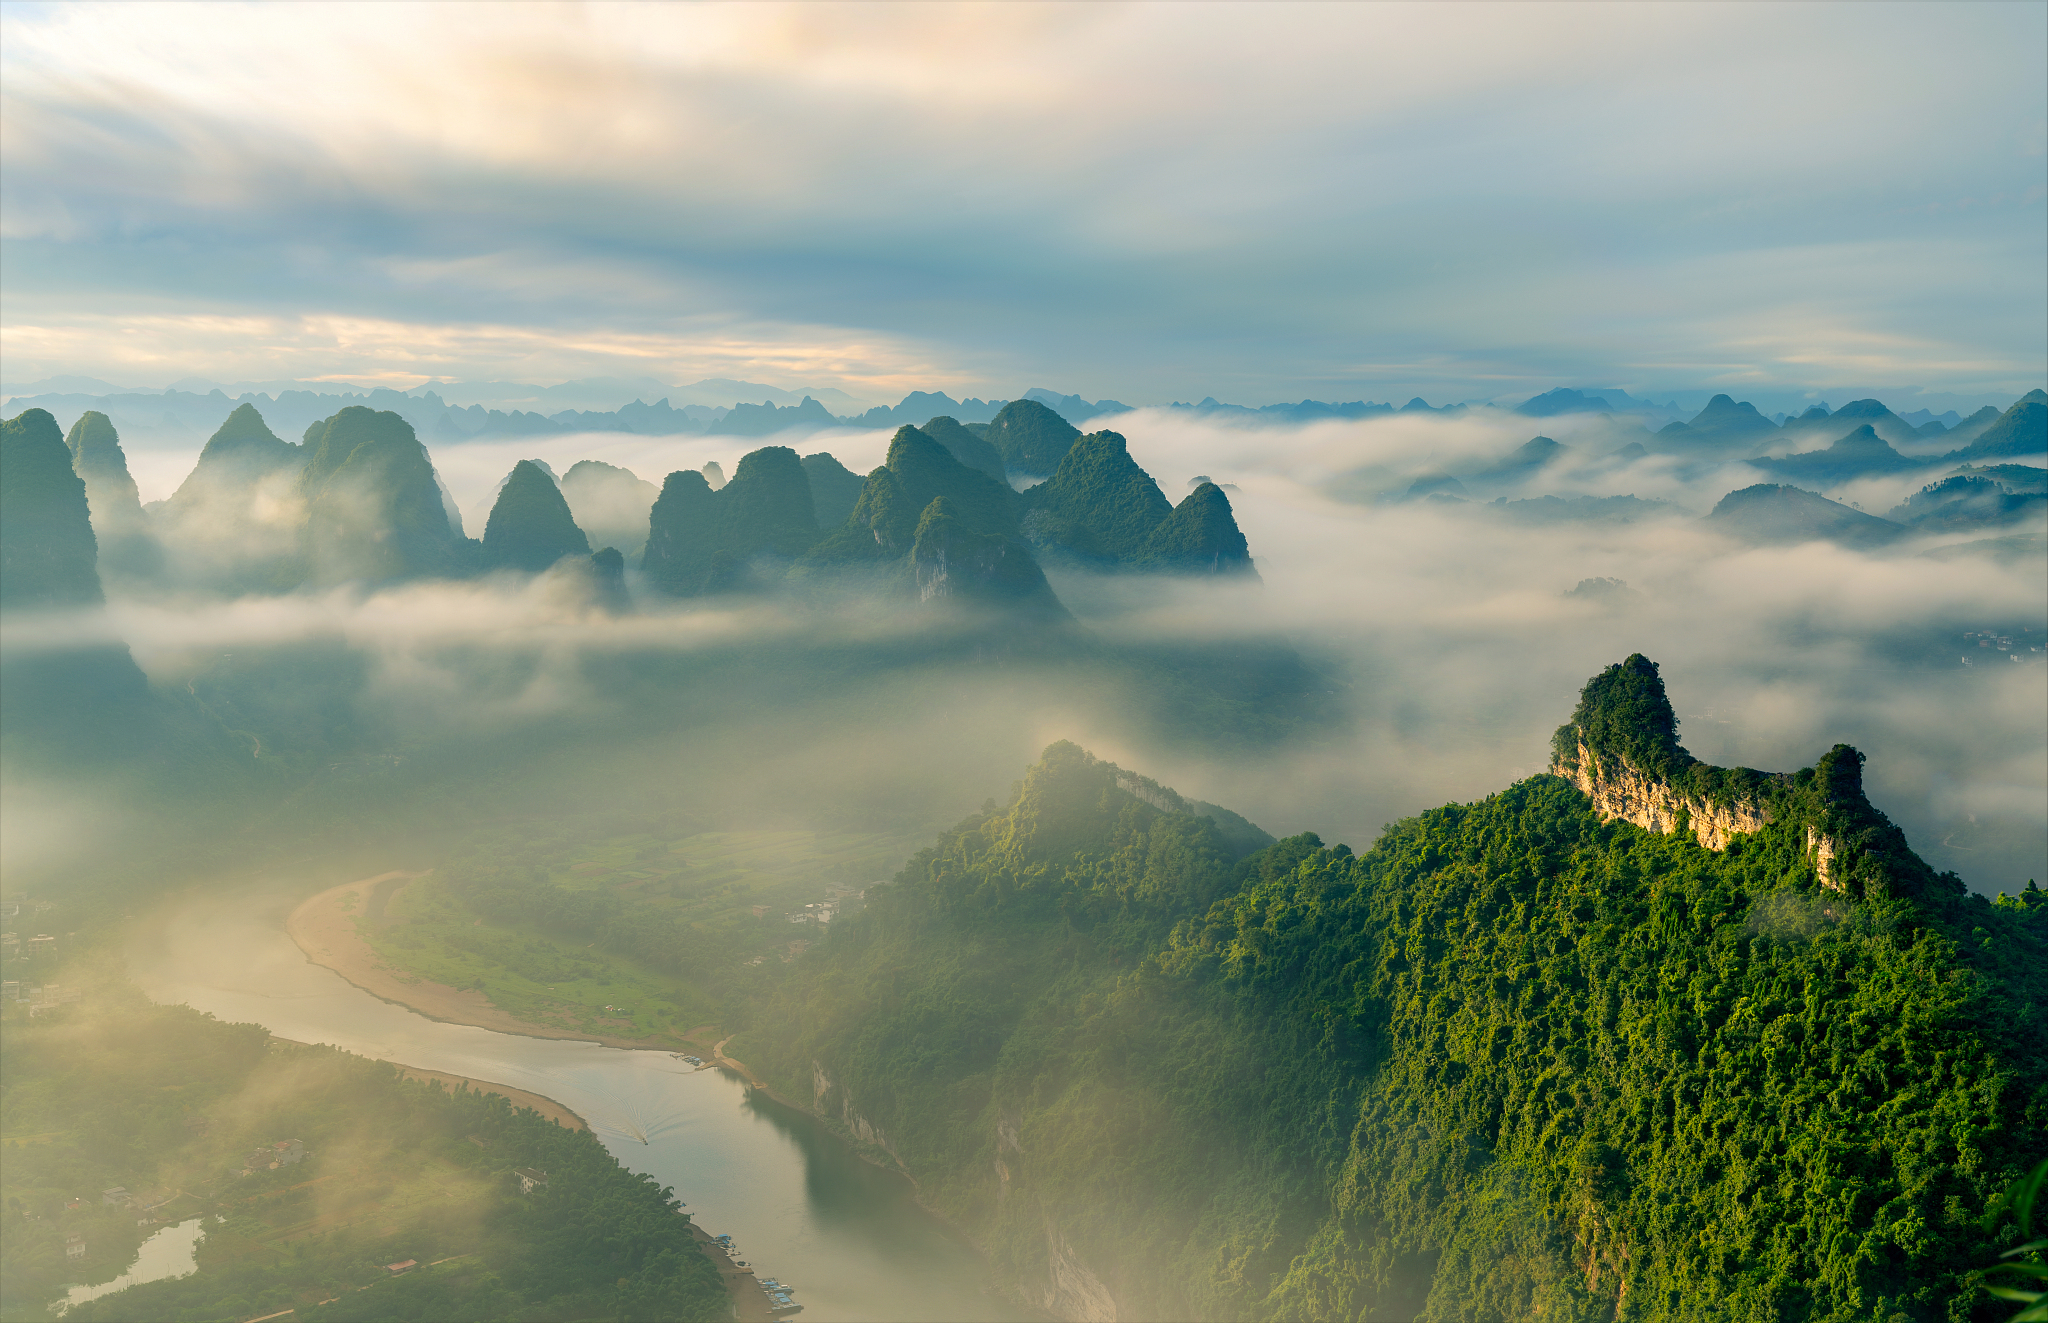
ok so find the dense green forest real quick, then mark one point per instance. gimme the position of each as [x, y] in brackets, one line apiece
[169, 1103]
[1514, 1061]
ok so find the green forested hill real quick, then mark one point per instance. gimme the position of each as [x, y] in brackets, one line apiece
[1513, 1062]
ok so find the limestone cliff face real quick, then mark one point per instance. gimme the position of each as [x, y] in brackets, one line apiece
[1822, 849]
[1620, 791]
[824, 1089]
[1621, 749]
[1072, 1291]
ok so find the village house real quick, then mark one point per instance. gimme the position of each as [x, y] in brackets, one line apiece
[528, 1178]
[117, 1196]
[403, 1265]
[270, 1157]
[74, 1247]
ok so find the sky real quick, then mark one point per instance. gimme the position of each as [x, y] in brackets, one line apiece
[1145, 202]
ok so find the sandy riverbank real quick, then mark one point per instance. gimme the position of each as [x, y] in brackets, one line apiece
[324, 928]
[547, 1107]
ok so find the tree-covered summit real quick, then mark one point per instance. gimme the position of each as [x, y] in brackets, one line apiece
[1200, 537]
[1098, 504]
[1514, 1061]
[374, 510]
[1624, 711]
[530, 527]
[918, 471]
[1031, 438]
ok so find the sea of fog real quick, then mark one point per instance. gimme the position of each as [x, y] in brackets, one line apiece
[1446, 628]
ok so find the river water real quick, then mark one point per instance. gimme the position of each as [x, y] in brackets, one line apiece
[800, 1206]
[169, 1252]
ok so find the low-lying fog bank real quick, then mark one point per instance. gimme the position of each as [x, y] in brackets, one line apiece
[1452, 636]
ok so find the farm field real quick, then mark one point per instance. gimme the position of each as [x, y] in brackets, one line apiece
[635, 937]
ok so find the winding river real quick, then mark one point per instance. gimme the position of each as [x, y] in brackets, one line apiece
[801, 1207]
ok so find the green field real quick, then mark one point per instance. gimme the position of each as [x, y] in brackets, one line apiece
[636, 936]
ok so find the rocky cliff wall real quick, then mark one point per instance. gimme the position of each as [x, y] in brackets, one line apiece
[1620, 791]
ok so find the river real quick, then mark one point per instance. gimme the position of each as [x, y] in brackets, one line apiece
[800, 1205]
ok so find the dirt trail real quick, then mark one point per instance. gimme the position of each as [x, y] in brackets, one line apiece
[324, 928]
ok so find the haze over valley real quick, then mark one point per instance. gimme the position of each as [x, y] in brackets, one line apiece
[1011, 663]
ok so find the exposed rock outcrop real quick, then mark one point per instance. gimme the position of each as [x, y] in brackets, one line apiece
[1621, 749]
[1072, 1291]
[825, 1090]
[1620, 791]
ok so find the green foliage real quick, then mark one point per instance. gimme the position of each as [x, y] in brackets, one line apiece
[918, 471]
[960, 566]
[1030, 437]
[682, 556]
[835, 490]
[530, 527]
[700, 541]
[1512, 1061]
[1624, 711]
[1200, 537]
[1098, 502]
[767, 508]
[48, 555]
[2023, 1261]
[972, 450]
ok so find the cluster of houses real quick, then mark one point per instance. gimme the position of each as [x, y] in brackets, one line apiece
[2002, 642]
[41, 997]
[281, 1153]
[838, 902]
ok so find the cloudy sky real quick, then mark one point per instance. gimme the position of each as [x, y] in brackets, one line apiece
[1149, 202]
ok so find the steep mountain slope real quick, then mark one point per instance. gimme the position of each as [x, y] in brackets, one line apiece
[835, 490]
[530, 527]
[972, 450]
[1031, 438]
[682, 556]
[609, 504]
[917, 472]
[704, 537]
[2021, 432]
[72, 703]
[1640, 1038]
[234, 523]
[374, 511]
[1200, 537]
[1098, 504]
[952, 563]
[127, 548]
[48, 554]
[766, 509]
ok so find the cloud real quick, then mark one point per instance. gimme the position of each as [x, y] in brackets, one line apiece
[1143, 201]
[1444, 631]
